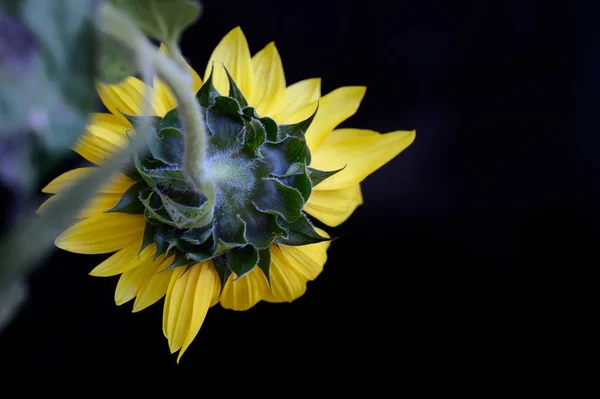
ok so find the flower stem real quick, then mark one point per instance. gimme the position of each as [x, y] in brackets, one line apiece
[117, 25]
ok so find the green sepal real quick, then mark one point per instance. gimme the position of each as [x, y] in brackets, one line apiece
[242, 260]
[249, 113]
[223, 271]
[317, 176]
[135, 120]
[297, 130]
[142, 172]
[167, 178]
[208, 93]
[276, 198]
[262, 228]
[264, 263]
[281, 154]
[197, 236]
[179, 260]
[271, 128]
[167, 146]
[297, 177]
[230, 229]
[129, 202]
[254, 137]
[170, 120]
[224, 121]
[234, 91]
[301, 232]
[186, 215]
[149, 233]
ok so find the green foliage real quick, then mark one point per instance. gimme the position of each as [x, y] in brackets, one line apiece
[47, 66]
[163, 20]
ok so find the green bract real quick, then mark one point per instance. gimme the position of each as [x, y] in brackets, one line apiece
[261, 180]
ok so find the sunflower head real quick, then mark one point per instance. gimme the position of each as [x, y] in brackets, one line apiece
[273, 152]
[261, 183]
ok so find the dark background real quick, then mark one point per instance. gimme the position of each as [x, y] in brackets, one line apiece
[436, 268]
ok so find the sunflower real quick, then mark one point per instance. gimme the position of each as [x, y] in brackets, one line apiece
[150, 266]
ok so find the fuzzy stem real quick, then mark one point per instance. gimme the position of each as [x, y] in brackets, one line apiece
[119, 27]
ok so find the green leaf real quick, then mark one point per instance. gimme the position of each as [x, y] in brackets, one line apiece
[149, 233]
[270, 127]
[242, 259]
[264, 263]
[317, 176]
[234, 91]
[254, 137]
[115, 63]
[224, 121]
[207, 94]
[297, 129]
[301, 232]
[129, 202]
[164, 20]
[276, 198]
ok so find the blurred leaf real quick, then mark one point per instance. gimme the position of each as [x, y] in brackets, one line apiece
[163, 20]
[47, 68]
[10, 301]
[115, 63]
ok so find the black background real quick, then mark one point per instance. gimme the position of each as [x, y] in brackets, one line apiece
[436, 267]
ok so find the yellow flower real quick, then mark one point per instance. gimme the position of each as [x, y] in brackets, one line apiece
[191, 291]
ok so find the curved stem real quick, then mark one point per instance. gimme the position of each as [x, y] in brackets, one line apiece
[120, 28]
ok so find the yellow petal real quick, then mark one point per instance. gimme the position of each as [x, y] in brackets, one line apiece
[269, 81]
[188, 298]
[163, 96]
[155, 288]
[132, 280]
[202, 297]
[286, 283]
[104, 135]
[216, 292]
[117, 184]
[97, 205]
[107, 232]
[334, 207]
[177, 272]
[362, 154]
[182, 306]
[233, 53]
[334, 108]
[124, 260]
[298, 96]
[127, 97]
[306, 260]
[245, 292]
